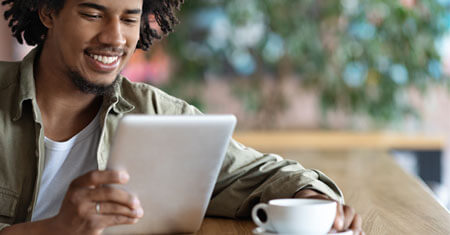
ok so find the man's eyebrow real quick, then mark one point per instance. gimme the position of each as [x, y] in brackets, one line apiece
[103, 8]
[92, 5]
[133, 11]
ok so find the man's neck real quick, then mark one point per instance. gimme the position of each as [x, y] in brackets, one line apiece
[64, 108]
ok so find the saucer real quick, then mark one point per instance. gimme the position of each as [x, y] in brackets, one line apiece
[262, 231]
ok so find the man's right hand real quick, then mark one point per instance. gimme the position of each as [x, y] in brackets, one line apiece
[78, 213]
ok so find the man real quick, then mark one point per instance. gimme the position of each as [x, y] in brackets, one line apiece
[60, 106]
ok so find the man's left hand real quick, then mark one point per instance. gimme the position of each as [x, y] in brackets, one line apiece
[346, 217]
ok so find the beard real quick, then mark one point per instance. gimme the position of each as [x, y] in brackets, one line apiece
[88, 87]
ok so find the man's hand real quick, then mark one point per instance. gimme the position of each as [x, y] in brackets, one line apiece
[346, 217]
[89, 206]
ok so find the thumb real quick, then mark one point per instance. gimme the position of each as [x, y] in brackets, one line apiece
[339, 220]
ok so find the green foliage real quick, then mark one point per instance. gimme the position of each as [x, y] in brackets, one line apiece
[359, 54]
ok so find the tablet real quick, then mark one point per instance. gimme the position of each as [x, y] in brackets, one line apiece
[173, 162]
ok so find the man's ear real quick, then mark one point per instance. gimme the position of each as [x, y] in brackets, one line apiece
[46, 16]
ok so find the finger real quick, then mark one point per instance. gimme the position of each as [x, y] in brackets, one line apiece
[96, 178]
[356, 223]
[112, 220]
[114, 195]
[358, 232]
[318, 196]
[349, 215]
[309, 193]
[108, 208]
[339, 220]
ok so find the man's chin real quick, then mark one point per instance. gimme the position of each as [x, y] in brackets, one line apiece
[88, 87]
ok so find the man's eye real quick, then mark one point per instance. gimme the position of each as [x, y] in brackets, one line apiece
[130, 20]
[91, 16]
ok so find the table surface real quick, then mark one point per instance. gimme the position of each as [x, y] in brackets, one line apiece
[338, 140]
[389, 200]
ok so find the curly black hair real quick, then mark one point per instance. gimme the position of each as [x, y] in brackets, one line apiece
[25, 23]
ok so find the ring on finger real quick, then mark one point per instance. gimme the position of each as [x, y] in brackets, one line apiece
[97, 207]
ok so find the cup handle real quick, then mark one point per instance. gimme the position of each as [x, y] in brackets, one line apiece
[257, 220]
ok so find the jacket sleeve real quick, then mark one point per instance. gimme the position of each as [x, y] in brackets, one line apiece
[2, 226]
[248, 177]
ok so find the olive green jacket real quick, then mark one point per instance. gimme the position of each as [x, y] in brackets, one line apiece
[246, 178]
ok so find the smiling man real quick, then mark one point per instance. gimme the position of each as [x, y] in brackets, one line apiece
[60, 106]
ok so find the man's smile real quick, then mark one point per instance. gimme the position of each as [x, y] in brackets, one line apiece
[104, 62]
[104, 59]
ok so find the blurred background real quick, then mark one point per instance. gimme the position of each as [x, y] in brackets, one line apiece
[347, 66]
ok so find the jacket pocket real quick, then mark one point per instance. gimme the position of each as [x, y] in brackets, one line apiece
[8, 204]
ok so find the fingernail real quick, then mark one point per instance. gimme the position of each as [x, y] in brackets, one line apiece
[123, 175]
[341, 224]
[139, 212]
[136, 202]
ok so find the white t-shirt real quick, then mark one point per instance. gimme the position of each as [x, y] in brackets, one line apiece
[65, 161]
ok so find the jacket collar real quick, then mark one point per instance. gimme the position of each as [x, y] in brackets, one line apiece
[115, 100]
[26, 88]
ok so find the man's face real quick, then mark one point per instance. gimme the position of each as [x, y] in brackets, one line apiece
[94, 38]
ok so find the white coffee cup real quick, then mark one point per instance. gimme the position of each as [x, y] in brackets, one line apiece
[295, 216]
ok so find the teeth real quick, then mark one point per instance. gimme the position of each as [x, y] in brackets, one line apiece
[104, 59]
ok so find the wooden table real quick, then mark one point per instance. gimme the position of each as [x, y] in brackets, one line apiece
[426, 149]
[337, 140]
[389, 200]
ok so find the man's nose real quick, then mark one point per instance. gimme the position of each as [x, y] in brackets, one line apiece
[112, 34]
